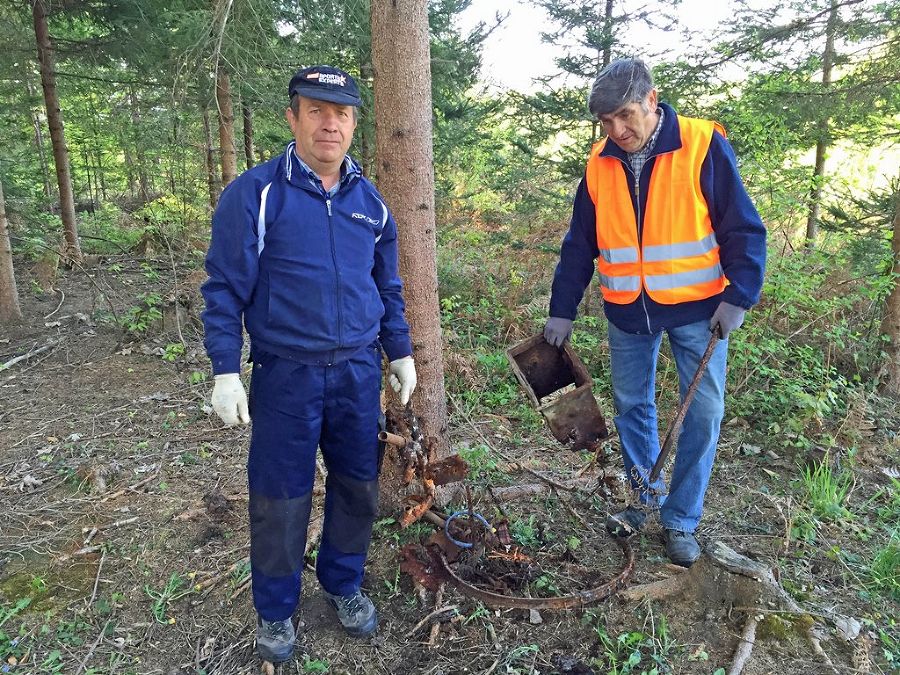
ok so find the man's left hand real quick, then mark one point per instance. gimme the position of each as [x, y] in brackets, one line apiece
[728, 317]
[403, 377]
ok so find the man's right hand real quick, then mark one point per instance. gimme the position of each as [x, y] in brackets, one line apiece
[557, 331]
[229, 399]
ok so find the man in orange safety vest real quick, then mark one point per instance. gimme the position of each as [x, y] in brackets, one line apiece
[680, 249]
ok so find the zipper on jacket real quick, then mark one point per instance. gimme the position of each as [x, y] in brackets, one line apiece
[640, 233]
[337, 276]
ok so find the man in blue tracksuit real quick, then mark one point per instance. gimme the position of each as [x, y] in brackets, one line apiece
[680, 249]
[304, 255]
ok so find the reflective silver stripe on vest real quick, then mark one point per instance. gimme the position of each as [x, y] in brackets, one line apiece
[621, 283]
[687, 249]
[261, 221]
[627, 254]
[666, 282]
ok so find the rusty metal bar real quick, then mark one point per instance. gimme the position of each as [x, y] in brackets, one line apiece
[672, 431]
[392, 439]
[580, 599]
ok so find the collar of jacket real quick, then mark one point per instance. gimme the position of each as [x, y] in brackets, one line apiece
[669, 137]
[297, 173]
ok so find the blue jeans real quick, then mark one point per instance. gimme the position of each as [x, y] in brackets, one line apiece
[633, 367]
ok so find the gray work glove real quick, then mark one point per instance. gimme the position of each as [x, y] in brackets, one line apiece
[229, 399]
[557, 331]
[728, 317]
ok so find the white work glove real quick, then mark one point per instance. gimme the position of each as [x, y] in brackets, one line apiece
[229, 399]
[403, 377]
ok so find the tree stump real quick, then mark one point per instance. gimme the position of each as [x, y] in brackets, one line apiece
[723, 577]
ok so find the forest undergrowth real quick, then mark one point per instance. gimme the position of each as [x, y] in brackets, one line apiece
[124, 544]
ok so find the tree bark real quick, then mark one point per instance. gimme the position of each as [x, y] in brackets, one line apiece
[85, 157]
[38, 133]
[247, 113]
[607, 33]
[890, 324]
[97, 153]
[212, 176]
[10, 312]
[57, 133]
[606, 56]
[405, 173]
[815, 197]
[227, 150]
[143, 182]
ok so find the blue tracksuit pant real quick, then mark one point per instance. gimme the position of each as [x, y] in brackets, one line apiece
[297, 408]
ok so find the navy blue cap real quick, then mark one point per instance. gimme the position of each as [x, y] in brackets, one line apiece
[325, 83]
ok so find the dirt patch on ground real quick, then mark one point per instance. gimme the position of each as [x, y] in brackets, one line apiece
[124, 535]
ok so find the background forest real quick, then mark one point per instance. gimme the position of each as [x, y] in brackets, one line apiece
[114, 147]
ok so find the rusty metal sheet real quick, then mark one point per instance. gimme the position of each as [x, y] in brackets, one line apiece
[425, 573]
[575, 418]
[448, 470]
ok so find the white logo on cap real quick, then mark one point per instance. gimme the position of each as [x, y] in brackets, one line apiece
[328, 78]
[332, 78]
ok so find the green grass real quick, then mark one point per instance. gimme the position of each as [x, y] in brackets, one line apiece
[826, 491]
[635, 652]
[162, 599]
[884, 570]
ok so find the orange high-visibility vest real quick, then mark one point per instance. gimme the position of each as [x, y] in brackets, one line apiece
[677, 259]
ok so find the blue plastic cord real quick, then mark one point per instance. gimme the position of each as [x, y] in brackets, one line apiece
[464, 544]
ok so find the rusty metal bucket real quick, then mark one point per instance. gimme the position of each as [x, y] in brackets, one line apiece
[543, 370]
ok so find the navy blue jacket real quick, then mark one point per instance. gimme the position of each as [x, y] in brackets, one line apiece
[312, 275]
[739, 231]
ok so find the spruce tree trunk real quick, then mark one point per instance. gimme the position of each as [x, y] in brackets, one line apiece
[57, 133]
[607, 34]
[815, 197]
[247, 112]
[129, 165]
[96, 154]
[90, 178]
[212, 176]
[890, 324]
[38, 134]
[10, 312]
[405, 174]
[143, 182]
[227, 150]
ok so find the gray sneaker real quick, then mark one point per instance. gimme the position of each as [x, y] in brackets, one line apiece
[355, 612]
[275, 640]
[625, 523]
[681, 547]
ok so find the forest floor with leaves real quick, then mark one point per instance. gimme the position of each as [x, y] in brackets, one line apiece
[124, 539]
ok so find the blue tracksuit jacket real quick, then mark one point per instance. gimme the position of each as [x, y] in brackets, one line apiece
[739, 231]
[312, 275]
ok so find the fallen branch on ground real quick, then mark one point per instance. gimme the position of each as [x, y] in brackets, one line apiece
[33, 352]
[130, 488]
